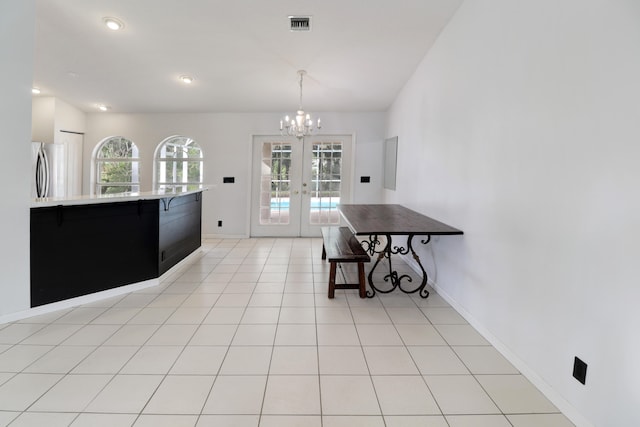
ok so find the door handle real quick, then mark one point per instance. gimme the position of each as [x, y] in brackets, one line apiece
[296, 192]
[304, 184]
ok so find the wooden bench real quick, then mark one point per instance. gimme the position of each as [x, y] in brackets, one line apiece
[340, 245]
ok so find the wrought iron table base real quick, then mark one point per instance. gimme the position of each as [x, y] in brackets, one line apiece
[371, 246]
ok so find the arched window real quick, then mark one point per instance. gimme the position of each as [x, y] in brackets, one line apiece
[117, 166]
[178, 164]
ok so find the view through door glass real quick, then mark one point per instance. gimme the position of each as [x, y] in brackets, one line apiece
[298, 184]
[325, 183]
[275, 194]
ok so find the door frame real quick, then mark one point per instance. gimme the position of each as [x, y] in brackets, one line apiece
[252, 171]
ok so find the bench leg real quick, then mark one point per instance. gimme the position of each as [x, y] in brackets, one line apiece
[361, 281]
[332, 280]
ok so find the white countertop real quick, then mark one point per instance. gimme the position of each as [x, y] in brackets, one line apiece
[109, 198]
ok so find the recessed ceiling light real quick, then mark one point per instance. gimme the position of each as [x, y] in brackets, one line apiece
[186, 79]
[113, 23]
[35, 90]
[103, 107]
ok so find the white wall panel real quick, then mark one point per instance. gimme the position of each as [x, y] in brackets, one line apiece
[521, 126]
[17, 22]
[43, 110]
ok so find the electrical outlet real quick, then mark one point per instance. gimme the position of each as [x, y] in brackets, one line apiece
[579, 370]
[220, 223]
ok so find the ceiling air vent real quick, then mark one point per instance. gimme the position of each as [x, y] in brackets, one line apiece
[300, 23]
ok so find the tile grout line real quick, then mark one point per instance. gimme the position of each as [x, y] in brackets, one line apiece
[315, 317]
[366, 361]
[243, 246]
[65, 375]
[164, 376]
[275, 335]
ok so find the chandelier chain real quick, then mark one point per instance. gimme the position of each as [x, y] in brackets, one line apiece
[300, 83]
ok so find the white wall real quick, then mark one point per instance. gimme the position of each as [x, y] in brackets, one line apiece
[68, 118]
[50, 115]
[17, 26]
[226, 140]
[43, 110]
[522, 126]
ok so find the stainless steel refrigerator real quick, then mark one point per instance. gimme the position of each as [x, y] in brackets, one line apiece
[49, 170]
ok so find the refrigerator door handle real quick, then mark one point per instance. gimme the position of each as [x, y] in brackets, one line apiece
[42, 173]
[38, 175]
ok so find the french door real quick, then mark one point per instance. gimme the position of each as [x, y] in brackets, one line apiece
[297, 184]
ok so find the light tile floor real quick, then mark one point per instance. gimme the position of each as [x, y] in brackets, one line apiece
[244, 335]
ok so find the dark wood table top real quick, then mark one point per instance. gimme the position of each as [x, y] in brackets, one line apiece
[391, 219]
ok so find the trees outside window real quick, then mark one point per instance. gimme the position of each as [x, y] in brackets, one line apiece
[178, 165]
[117, 166]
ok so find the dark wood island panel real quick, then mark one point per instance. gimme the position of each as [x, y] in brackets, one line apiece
[81, 249]
[180, 231]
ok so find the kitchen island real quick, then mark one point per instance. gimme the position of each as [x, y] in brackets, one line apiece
[88, 244]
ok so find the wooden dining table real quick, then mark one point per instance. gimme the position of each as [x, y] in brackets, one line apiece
[393, 221]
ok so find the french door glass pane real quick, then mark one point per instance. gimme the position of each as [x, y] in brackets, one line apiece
[275, 187]
[326, 180]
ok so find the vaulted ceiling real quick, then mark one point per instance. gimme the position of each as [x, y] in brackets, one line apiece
[242, 53]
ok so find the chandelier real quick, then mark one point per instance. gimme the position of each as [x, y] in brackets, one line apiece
[301, 125]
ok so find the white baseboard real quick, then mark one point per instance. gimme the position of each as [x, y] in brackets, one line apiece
[72, 302]
[97, 296]
[225, 236]
[186, 260]
[550, 393]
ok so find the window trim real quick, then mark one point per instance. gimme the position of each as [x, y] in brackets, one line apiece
[157, 160]
[97, 184]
